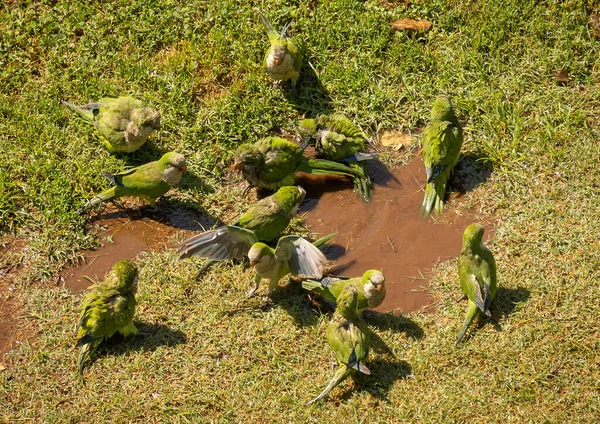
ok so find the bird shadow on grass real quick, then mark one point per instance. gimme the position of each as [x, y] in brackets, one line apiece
[384, 373]
[309, 97]
[293, 299]
[395, 323]
[472, 170]
[150, 337]
[504, 304]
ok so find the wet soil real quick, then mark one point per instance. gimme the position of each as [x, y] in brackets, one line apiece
[389, 234]
[125, 236]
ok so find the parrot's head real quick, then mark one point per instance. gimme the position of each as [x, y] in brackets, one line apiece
[473, 235]
[292, 195]
[247, 157]
[376, 279]
[146, 117]
[123, 277]
[279, 50]
[174, 161]
[347, 301]
[260, 255]
[307, 127]
[442, 110]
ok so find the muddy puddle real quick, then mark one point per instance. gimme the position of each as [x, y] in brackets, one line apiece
[388, 234]
[126, 237]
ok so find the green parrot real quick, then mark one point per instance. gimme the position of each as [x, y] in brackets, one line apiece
[442, 140]
[339, 139]
[283, 60]
[371, 288]
[272, 162]
[267, 219]
[108, 308]
[348, 337]
[148, 181]
[477, 271]
[124, 122]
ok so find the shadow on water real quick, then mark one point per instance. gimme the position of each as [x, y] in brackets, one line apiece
[472, 170]
[309, 97]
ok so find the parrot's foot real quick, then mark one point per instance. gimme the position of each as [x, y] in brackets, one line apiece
[267, 303]
[251, 292]
[246, 190]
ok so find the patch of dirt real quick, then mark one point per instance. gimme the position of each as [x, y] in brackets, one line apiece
[10, 306]
[125, 237]
[389, 234]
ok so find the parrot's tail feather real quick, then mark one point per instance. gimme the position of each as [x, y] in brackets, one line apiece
[86, 113]
[359, 366]
[312, 285]
[434, 196]
[339, 376]
[324, 166]
[468, 321]
[87, 339]
[273, 34]
[101, 197]
[84, 354]
[363, 185]
[320, 242]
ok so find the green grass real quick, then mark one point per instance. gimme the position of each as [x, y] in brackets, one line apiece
[199, 62]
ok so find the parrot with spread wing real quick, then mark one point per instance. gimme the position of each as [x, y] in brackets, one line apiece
[347, 335]
[442, 140]
[148, 181]
[337, 138]
[267, 219]
[371, 288]
[108, 308]
[283, 59]
[272, 162]
[477, 271]
[124, 123]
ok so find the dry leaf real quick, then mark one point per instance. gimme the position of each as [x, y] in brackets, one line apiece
[2, 366]
[412, 25]
[562, 75]
[396, 140]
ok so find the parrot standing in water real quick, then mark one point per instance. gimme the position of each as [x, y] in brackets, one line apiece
[338, 138]
[477, 271]
[347, 335]
[148, 181]
[283, 59]
[371, 288]
[272, 162]
[108, 308]
[442, 140]
[267, 219]
[124, 122]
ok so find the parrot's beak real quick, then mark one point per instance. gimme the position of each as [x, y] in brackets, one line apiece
[237, 166]
[252, 263]
[277, 62]
[379, 287]
[183, 169]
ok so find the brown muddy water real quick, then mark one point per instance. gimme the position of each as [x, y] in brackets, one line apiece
[125, 237]
[388, 234]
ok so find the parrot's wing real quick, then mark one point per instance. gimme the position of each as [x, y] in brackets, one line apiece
[117, 179]
[224, 243]
[301, 256]
[482, 293]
